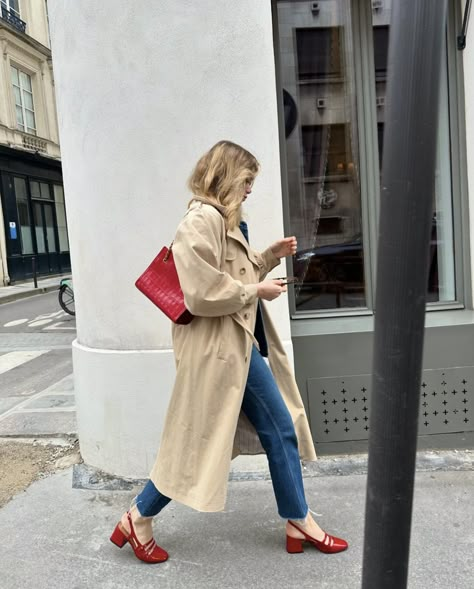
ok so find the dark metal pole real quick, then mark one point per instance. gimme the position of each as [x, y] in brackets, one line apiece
[461, 40]
[408, 180]
[35, 272]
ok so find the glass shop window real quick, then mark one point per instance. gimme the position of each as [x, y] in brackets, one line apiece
[321, 62]
[24, 219]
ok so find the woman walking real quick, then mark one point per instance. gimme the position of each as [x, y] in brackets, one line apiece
[226, 399]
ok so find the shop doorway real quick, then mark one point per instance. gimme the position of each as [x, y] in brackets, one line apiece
[46, 238]
[35, 226]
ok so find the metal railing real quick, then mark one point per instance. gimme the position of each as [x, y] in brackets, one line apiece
[12, 19]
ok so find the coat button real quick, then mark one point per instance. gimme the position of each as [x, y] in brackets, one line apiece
[246, 315]
[246, 358]
[242, 270]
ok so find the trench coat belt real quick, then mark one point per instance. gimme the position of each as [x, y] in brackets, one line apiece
[246, 329]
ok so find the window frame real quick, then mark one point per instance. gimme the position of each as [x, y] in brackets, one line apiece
[365, 89]
[15, 177]
[25, 130]
[8, 6]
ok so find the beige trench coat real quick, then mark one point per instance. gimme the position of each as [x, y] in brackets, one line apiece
[204, 428]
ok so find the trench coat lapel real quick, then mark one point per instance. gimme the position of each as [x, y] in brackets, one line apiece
[237, 235]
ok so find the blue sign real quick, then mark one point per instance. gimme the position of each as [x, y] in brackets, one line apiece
[13, 234]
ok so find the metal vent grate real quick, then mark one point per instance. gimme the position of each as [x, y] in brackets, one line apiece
[339, 407]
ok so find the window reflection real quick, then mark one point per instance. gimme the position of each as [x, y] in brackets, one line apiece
[322, 154]
[319, 53]
[441, 284]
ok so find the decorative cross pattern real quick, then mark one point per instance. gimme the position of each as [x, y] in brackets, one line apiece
[339, 407]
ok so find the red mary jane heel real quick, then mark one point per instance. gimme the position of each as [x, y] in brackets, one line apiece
[149, 552]
[329, 545]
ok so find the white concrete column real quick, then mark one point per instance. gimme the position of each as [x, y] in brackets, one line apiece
[143, 90]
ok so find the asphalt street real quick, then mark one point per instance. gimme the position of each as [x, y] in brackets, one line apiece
[36, 382]
[40, 313]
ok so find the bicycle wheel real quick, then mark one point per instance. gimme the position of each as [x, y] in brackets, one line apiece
[66, 299]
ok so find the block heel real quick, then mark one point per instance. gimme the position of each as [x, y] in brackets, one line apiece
[149, 552]
[118, 537]
[294, 545]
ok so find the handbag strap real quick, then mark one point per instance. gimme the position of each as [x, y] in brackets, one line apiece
[168, 253]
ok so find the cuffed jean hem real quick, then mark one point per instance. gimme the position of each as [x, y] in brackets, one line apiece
[150, 501]
[295, 519]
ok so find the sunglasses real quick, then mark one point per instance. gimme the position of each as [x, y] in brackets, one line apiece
[288, 280]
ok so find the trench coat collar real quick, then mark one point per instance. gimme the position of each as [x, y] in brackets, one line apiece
[208, 201]
[235, 233]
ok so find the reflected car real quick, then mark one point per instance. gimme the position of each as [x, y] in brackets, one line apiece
[339, 268]
[331, 264]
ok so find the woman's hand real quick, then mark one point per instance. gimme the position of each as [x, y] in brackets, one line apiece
[284, 247]
[270, 289]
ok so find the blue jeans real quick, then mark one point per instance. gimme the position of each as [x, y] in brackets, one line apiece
[266, 410]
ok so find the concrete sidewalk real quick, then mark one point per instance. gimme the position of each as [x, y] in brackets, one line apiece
[58, 537]
[26, 288]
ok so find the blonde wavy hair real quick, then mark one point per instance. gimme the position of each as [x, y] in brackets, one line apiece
[221, 175]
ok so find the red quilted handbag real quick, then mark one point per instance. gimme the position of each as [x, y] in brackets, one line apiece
[160, 284]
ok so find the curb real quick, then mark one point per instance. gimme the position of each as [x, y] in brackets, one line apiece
[88, 478]
[8, 298]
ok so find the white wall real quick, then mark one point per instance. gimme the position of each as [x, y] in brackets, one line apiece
[142, 92]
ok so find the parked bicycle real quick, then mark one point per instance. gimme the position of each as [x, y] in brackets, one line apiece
[66, 296]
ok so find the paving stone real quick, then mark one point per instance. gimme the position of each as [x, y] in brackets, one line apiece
[65, 385]
[39, 424]
[49, 401]
[37, 375]
[9, 402]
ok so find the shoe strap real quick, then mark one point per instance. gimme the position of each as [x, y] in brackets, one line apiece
[300, 530]
[308, 537]
[132, 534]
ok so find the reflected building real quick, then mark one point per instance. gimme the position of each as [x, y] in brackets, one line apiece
[33, 226]
[334, 83]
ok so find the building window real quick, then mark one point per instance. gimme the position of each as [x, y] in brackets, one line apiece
[11, 6]
[333, 83]
[9, 12]
[61, 218]
[40, 190]
[23, 90]
[24, 218]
